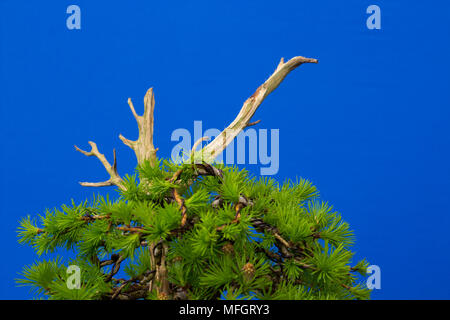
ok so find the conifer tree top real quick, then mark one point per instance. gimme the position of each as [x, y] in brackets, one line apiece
[195, 230]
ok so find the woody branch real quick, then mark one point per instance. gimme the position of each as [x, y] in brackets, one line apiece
[143, 146]
[114, 180]
[213, 149]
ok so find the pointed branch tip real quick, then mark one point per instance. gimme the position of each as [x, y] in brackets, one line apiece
[115, 179]
[252, 123]
[242, 120]
[143, 147]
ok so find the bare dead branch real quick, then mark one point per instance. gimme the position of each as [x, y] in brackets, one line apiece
[143, 147]
[252, 123]
[212, 150]
[114, 180]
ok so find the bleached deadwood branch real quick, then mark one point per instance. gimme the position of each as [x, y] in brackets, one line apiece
[213, 149]
[114, 180]
[145, 150]
[143, 146]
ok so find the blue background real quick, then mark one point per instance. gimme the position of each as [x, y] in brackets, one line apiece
[369, 125]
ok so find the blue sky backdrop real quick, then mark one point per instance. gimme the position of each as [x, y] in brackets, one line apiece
[369, 125]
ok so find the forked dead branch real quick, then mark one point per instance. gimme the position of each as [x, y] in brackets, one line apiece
[196, 230]
[145, 150]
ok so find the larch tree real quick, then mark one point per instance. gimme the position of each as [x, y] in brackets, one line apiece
[195, 229]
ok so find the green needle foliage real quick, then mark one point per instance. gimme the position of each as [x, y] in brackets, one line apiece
[195, 231]
[242, 238]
